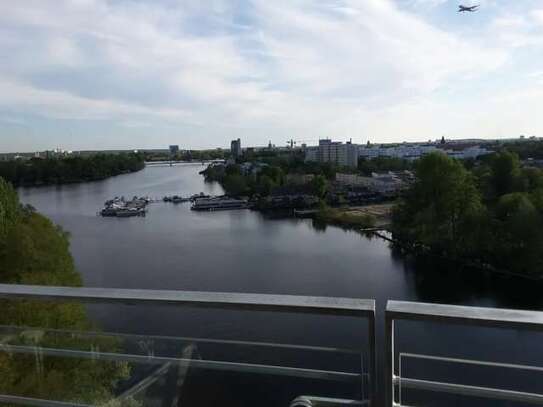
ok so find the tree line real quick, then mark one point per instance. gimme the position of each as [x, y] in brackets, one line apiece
[46, 171]
[491, 213]
[236, 184]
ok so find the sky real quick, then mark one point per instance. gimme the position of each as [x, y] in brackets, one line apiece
[123, 74]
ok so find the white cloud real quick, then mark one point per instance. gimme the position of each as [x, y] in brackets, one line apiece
[62, 105]
[538, 16]
[300, 69]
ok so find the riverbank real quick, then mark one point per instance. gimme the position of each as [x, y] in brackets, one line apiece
[419, 250]
[357, 217]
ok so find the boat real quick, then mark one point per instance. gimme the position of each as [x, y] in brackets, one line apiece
[108, 212]
[201, 195]
[216, 204]
[120, 208]
[125, 213]
[179, 199]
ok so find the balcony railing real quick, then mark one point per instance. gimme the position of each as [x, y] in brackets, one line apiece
[159, 367]
[364, 379]
[474, 317]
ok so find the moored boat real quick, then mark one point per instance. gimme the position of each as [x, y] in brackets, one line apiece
[125, 213]
[215, 204]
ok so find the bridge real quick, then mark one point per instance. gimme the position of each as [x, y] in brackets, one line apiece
[179, 162]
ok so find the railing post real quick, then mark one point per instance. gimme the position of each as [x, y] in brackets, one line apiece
[372, 356]
[389, 360]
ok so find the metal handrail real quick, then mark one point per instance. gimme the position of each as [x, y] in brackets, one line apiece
[466, 315]
[189, 339]
[253, 302]
[395, 310]
[257, 302]
[463, 315]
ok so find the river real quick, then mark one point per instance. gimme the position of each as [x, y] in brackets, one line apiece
[244, 251]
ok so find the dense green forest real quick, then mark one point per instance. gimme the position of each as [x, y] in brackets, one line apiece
[492, 213]
[35, 251]
[37, 171]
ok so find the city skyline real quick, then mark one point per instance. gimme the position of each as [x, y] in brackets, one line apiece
[93, 74]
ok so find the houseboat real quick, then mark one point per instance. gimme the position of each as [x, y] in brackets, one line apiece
[217, 204]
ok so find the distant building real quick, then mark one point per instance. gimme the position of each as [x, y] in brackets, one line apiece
[347, 154]
[386, 183]
[174, 149]
[235, 148]
[405, 151]
[57, 153]
[311, 154]
[472, 152]
[334, 152]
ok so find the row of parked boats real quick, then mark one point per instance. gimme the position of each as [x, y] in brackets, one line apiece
[121, 208]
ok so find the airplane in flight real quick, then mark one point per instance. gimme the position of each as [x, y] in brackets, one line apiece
[471, 9]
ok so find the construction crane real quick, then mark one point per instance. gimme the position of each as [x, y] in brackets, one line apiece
[291, 143]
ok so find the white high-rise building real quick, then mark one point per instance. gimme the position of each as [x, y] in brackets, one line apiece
[335, 152]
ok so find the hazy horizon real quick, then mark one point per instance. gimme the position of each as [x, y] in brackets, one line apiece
[119, 74]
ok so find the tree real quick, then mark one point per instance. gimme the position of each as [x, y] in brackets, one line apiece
[235, 185]
[530, 179]
[265, 185]
[9, 209]
[518, 232]
[319, 184]
[442, 206]
[505, 170]
[69, 169]
[35, 251]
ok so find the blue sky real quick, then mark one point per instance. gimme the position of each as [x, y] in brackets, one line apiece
[99, 74]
